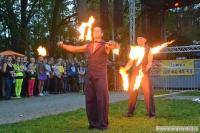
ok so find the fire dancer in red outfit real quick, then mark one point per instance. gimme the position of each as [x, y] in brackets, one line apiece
[96, 92]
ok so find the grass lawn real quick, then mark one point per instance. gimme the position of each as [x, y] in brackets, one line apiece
[169, 113]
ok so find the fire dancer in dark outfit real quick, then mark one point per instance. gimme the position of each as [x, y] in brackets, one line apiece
[96, 92]
[146, 81]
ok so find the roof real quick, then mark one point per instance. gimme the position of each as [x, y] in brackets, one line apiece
[11, 53]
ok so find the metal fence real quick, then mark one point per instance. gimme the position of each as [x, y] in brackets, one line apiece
[179, 82]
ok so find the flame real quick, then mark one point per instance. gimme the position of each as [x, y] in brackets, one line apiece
[116, 51]
[89, 33]
[124, 78]
[81, 30]
[138, 80]
[137, 53]
[41, 51]
[157, 49]
[83, 27]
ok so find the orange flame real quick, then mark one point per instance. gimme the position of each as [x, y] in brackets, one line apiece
[81, 30]
[137, 53]
[124, 78]
[41, 51]
[138, 80]
[83, 27]
[157, 49]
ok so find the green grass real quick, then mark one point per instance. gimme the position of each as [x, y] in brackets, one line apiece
[169, 113]
[190, 93]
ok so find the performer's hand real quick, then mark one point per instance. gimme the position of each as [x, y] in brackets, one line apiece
[113, 45]
[60, 43]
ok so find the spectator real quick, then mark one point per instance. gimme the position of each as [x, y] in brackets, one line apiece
[58, 75]
[8, 73]
[48, 73]
[1, 76]
[18, 68]
[41, 75]
[31, 75]
[24, 62]
[73, 72]
[51, 78]
[81, 72]
[65, 78]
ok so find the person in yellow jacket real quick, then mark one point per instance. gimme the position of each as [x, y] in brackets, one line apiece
[58, 71]
[18, 68]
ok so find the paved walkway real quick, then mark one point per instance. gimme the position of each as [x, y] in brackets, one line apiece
[182, 97]
[28, 108]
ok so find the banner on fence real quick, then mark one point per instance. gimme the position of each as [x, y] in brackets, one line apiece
[173, 67]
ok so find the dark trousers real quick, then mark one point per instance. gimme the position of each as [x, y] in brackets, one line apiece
[58, 85]
[65, 82]
[1, 86]
[73, 83]
[24, 91]
[147, 91]
[51, 84]
[47, 84]
[97, 101]
[8, 87]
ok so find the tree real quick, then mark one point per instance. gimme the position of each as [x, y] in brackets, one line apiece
[17, 17]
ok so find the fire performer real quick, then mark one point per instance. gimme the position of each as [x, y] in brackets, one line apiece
[96, 92]
[147, 89]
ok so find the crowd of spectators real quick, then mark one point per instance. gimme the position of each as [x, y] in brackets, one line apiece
[27, 77]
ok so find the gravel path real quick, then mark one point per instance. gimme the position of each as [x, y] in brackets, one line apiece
[28, 108]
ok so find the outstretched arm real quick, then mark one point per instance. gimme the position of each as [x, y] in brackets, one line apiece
[71, 48]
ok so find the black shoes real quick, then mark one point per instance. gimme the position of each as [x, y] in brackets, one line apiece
[91, 127]
[100, 128]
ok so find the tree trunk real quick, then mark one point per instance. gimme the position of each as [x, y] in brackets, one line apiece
[23, 40]
[82, 10]
[12, 25]
[104, 19]
[118, 13]
[55, 20]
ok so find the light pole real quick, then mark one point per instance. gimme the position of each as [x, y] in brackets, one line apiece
[132, 21]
